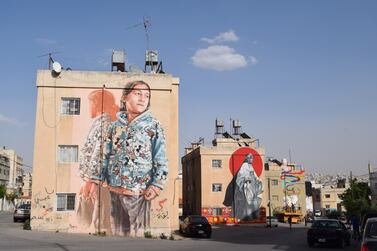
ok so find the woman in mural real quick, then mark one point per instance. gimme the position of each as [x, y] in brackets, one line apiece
[103, 110]
[243, 192]
[135, 164]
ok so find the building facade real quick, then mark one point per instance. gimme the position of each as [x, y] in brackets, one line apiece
[330, 199]
[15, 170]
[27, 183]
[89, 160]
[225, 182]
[287, 186]
[4, 169]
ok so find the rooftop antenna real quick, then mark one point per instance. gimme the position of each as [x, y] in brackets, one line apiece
[151, 56]
[146, 24]
[50, 60]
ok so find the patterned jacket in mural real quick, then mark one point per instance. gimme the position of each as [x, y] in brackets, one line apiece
[91, 152]
[135, 153]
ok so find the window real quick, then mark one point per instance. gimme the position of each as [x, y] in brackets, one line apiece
[275, 197]
[67, 153]
[327, 196]
[275, 182]
[216, 187]
[65, 201]
[216, 163]
[70, 106]
[327, 206]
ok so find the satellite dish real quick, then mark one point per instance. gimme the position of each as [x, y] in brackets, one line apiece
[57, 68]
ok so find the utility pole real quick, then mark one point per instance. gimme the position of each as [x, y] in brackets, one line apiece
[269, 201]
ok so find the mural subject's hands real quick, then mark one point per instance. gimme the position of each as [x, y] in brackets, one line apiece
[152, 192]
[89, 191]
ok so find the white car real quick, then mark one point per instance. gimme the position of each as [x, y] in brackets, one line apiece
[274, 221]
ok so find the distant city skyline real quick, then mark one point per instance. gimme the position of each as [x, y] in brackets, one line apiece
[299, 75]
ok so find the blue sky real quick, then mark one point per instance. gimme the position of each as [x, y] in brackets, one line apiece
[300, 75]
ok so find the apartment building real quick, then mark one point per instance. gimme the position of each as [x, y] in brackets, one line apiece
[4, 169]
[287, 186]
[74, 112]
[12, 169]
[225, 181]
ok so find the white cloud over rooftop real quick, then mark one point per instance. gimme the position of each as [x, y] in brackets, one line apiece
[228, 36]
[218, 58]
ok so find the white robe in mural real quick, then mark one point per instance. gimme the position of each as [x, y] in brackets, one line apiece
[247, 191]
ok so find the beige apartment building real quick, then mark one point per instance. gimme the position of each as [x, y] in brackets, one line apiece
[73, 109]
[218, 180]
[287, 187]
[330, 199]
[27, 183]
[15, 170]
[4, 169]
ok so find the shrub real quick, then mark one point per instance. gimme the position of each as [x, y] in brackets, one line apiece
[148, 234]
[27, 225]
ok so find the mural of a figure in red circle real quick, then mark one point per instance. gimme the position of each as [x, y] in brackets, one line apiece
[244, 191]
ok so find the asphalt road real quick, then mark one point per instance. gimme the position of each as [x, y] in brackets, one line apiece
[234, 238]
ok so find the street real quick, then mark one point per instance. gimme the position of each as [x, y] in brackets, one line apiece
[13, 237]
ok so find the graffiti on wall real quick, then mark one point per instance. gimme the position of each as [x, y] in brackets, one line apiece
[43, 204]
[290, 180]
[244, 191]
[123, 157]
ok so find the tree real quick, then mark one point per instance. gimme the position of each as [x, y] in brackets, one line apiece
[11, 197]
[2, 193]
[356, 199]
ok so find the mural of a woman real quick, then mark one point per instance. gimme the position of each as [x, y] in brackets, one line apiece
[135, 164]
[243, 192]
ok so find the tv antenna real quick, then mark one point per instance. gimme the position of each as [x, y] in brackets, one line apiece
[146, 24]
[50, 60]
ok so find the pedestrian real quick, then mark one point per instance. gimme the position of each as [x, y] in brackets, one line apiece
[135, 164]
[355, 227]
[290, 222]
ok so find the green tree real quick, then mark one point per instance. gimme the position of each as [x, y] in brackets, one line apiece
[3, 190]
[11, 197]
[356, 199]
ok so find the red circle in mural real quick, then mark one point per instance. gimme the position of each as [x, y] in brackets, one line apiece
[239, 156]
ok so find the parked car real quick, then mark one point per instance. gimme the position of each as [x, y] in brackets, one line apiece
[365, 218]
[195, 225]
[328, 231]
[22, 212]
[369, 241]
[274, 221]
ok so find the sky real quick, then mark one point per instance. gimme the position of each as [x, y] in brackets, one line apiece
[301, 76]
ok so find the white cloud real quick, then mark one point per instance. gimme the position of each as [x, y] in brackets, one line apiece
[228, 36]
[10, 121]
[44, 41]
[253, 60]
[218, 58]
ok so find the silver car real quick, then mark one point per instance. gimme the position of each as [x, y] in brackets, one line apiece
[22, 212]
